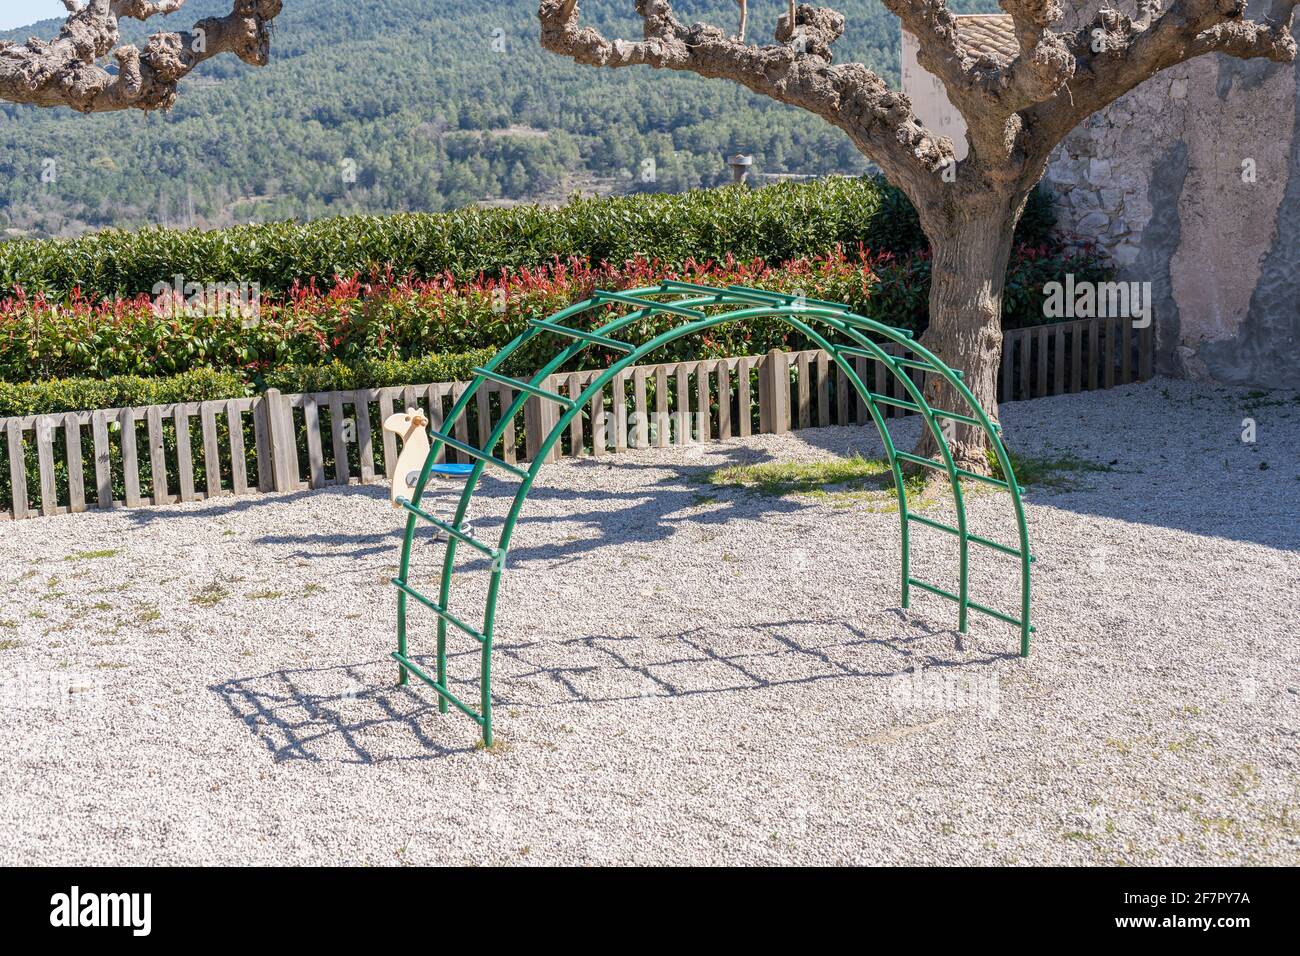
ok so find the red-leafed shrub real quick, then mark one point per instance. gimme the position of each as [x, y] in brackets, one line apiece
[385, 317]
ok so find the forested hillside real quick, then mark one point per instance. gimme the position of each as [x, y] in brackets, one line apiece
[427, 105]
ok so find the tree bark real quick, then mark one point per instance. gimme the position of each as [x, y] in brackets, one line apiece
[970, 251]
[68, 70]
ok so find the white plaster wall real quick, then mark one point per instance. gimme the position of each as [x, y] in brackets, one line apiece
[930, 101]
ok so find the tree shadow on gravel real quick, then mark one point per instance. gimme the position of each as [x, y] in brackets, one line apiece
[1214, 486]
[356, 713]
[651, 513]
[231, 505]
[1236, 491]
[648, 518]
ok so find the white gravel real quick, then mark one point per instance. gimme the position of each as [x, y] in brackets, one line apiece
[684, 674]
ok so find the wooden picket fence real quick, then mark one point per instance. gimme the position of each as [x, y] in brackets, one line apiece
[273, 443]
[1072, 356]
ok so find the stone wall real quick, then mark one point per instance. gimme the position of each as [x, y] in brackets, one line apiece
[1192, 183]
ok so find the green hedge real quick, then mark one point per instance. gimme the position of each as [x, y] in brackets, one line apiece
[202, 385]
[776, 223]
[121, 391]
[360, 324]
[340, 377]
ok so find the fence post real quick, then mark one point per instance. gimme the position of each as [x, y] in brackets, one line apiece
[774, 393]
[282, 439]
[539, 419]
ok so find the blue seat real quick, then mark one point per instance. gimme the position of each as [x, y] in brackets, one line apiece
[452, 471]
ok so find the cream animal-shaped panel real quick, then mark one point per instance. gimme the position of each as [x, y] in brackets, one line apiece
[411, 427]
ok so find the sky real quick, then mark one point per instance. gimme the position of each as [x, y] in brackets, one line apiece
[19, 13]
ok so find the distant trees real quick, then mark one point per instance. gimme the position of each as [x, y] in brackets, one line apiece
[440, 84]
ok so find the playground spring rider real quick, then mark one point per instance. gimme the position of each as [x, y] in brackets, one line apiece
[846, 336]
[411, 428]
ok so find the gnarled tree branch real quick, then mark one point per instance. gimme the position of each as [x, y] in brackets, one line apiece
[68, 70]
[797, 70]
[1044, 63]
[1115, 53]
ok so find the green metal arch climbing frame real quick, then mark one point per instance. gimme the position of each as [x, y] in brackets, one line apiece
[689, 302]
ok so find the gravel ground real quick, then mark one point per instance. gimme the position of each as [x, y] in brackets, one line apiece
[685, 673]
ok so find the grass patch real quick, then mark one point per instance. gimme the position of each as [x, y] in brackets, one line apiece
[836, 477]
[214, 593]
[263, 595]
[1048, 472]
[10, 645]
[94, 555]
[846, 481]
[1256, 399]
[151, 614]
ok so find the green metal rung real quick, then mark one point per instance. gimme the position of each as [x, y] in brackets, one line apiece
[739, 293]
[934, 590]
[478, 453]
[936, 412]
[896, 402]
[751, 296]
[673, 285]
[858, 321]
[764, 297]
[978, 539]
[999, 615]
[523, 387]
[925, 366]
[648, 305]
[971, 604]
[940, 466]
[439, 610]
[591, 337]
[900, 360]
[784, 298]
[442, 691]
[449, 529]
[986, 479]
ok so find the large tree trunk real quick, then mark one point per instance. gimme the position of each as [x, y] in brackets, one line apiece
[970, 256]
